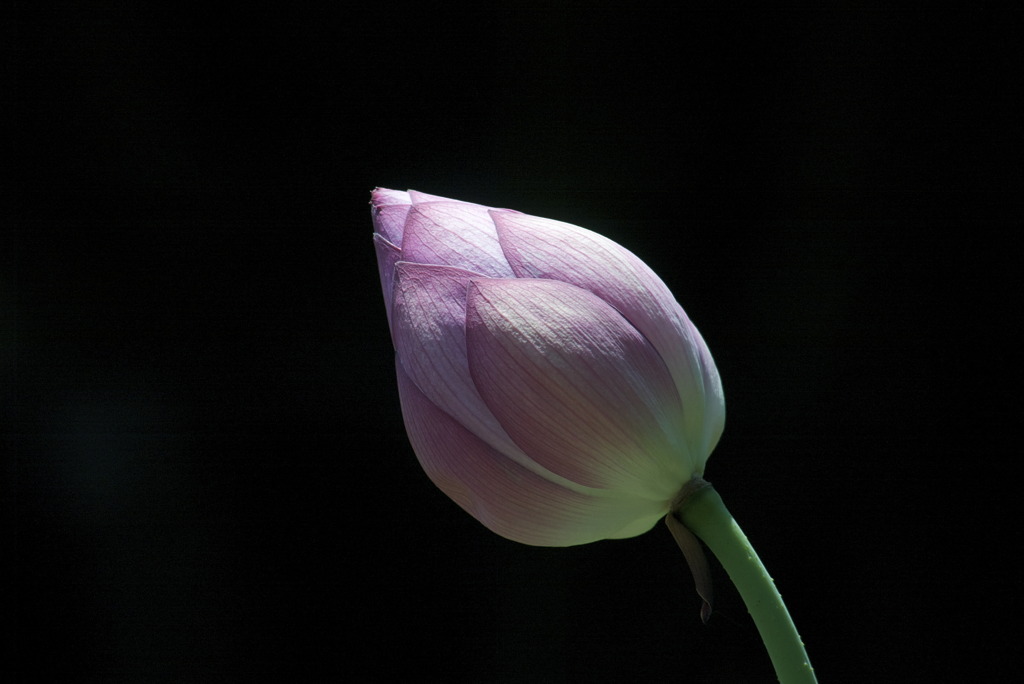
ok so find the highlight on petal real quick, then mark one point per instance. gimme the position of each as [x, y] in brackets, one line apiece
[429, 332]
[385, 197]
[576, 387]
[430, 341]
[543, 248]
[507, 498]
[714, 396]
[417, 197]
[455, 234]
[389, 211]
[387, 256]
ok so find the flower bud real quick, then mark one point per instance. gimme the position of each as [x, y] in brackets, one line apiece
[550, 383]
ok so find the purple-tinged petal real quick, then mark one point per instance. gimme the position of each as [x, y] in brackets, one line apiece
[386, 196]
[542, 248]
[506, 497]
[455, 234]
[577, 387]
[389, 211]
[417, 197]
[429, 332]
[387, 256]
[714, 396]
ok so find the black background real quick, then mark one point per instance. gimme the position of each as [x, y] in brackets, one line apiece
[206, 476]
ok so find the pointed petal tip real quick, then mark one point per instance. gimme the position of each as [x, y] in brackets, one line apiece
[382, 197]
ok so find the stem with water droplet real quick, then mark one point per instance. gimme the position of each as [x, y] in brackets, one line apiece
[705, 514]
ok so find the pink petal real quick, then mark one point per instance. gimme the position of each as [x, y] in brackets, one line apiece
[577, 387]
[417, 197]
[389, 220]
[387, 256]
[506, 497]
[543, 248]
[385, 196]
[429, 332]
[455, 234]
[714, 396]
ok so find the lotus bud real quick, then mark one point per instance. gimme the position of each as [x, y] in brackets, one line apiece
[550, 383]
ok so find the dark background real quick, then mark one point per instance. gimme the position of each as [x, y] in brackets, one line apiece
[206, 476]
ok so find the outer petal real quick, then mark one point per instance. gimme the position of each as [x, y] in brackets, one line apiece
[454, 234]
[430, 339]
[387, 256]
[542, 248]
[389, 210]
[417, 197]
[503, 495]
[386, 197]
[577, 387]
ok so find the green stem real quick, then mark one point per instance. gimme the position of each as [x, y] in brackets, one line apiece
[703, 512]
